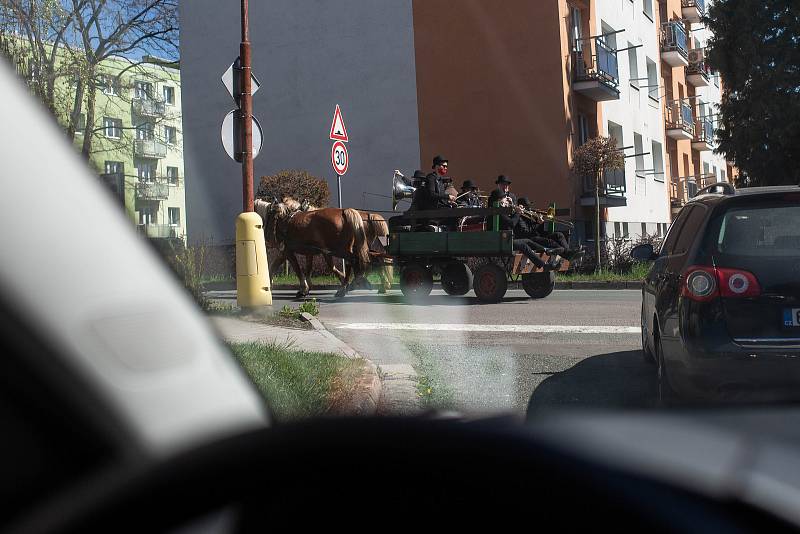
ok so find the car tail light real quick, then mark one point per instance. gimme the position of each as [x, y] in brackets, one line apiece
[737, 283]
[703, 283]
[700, 283]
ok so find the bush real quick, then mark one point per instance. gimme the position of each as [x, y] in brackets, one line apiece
[615, 254]
[298, 184]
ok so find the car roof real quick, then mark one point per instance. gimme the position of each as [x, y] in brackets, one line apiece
[716, 197]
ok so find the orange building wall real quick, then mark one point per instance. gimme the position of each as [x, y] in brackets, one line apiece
[491, 93]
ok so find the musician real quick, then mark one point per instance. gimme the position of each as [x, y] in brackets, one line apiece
[505, 199]
[469, 196]
[418, 182]
[537, 232]
[503, 191]
[434, 195]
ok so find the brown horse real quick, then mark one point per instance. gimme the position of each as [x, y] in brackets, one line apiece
[375, 226]
[328, 231]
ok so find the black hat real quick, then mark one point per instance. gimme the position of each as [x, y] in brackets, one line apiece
[502, 179]
[419, 175]
[524, 202]
[469, 185]
[438, 160]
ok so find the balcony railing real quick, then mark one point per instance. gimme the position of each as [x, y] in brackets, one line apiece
[693, 10]
[612, 191]
[149, 148]
[679, 120]
[698, 73]
[703, 134]
[149, 107]
[674, 43]
[157, 190]
[159, 231]
[596, 74]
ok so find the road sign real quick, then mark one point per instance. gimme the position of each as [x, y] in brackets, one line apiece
[339, 158]
[338, 131]
[230, 79]
[231, 135]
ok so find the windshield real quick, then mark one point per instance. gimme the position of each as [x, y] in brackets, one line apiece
[438, 202]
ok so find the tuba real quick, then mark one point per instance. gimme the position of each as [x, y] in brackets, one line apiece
[402, 188]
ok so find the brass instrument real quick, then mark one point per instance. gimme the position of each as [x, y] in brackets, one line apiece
[402, 188]
[549, 215]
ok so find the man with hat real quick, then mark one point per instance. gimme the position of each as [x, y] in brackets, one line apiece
[502, 197]
[502, 194]
[433, 195]
[535, 230]
[418, 182]
[469, 196]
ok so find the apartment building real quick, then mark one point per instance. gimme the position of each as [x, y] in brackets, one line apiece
[138, 145]
[692, 96]
[512, 87]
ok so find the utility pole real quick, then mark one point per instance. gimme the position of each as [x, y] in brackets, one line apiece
[246, 112]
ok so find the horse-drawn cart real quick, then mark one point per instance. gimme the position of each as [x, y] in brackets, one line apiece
[421, 250]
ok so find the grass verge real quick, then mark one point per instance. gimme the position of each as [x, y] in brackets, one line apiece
[637, 273]
[298, 384]
[432, 389]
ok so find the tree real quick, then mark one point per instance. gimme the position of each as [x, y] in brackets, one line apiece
[593, 159]
[755, 49]
[297, 184]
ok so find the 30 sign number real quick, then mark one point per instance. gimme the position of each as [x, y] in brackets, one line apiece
[339, 158]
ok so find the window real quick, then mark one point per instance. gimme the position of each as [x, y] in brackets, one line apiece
[171, 135]
[652, 80]
[583, 129]
[724, 176]
[112, 127]
[143, 90]
[577, 33]
[609, 36]
[174, 215]
[144, 131]
[146, 171]
[114, 167]
[644, 229]
[625, 233]
[617, 230]
[638, 148]
[714, 172]
[690, 230]
[147, 215]
[647, 8]
[169, 95]
[110, 84]
[658, 161]
[675, 229]
[172, 175]
[615, 131]
[633, 66]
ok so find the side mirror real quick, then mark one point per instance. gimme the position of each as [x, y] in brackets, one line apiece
[643, 252]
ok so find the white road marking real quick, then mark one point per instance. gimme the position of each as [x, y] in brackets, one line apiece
[524, 328]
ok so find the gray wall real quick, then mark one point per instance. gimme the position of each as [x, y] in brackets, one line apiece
[309, 55]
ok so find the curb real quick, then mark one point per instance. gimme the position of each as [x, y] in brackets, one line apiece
[367, 398]
[632, 284]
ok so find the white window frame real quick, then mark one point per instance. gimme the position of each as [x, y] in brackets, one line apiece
[110, 84]
[140, 89]
[168, 89]
[148, 215]
[170, 211]
[145, 131]
[114, 126]
[146, 171]
[633, 66]
[657, 153]
[171, 140]
[170, 178]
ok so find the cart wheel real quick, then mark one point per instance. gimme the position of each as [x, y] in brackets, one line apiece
[416, 281]
[539, 285]
[456, 278]
[490, 283]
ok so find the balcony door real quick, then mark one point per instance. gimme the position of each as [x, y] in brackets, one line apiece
[146, 171]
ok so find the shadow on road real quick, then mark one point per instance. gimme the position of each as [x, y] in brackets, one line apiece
[437, 300]
[617, 380]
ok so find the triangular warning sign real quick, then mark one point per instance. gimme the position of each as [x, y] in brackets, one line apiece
[338, 131]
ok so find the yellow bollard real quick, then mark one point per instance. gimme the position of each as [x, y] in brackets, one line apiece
[252, 270]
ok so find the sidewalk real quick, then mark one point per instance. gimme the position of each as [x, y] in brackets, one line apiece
[241, 330]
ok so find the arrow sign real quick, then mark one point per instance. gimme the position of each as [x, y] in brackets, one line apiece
[338, 131]
[230, 79]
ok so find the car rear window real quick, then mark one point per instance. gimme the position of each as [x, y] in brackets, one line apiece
[760, 231]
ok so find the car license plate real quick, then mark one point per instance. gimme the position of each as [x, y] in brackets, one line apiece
[791, 317]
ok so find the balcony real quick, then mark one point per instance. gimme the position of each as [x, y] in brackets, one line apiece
[158, 190]
[693, 10]
[679, 121]
[149, 107]
[698, 72]
[149, 148]
[613, 190]
[674, 47]
[682, 189]
[159, 231]
[703, 135]
[596, 75]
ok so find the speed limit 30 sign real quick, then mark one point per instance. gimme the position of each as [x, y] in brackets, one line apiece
[339, 158]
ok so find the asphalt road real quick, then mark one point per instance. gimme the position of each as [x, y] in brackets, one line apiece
[574, 349]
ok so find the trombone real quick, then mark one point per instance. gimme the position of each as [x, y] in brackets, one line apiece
[549, 214]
